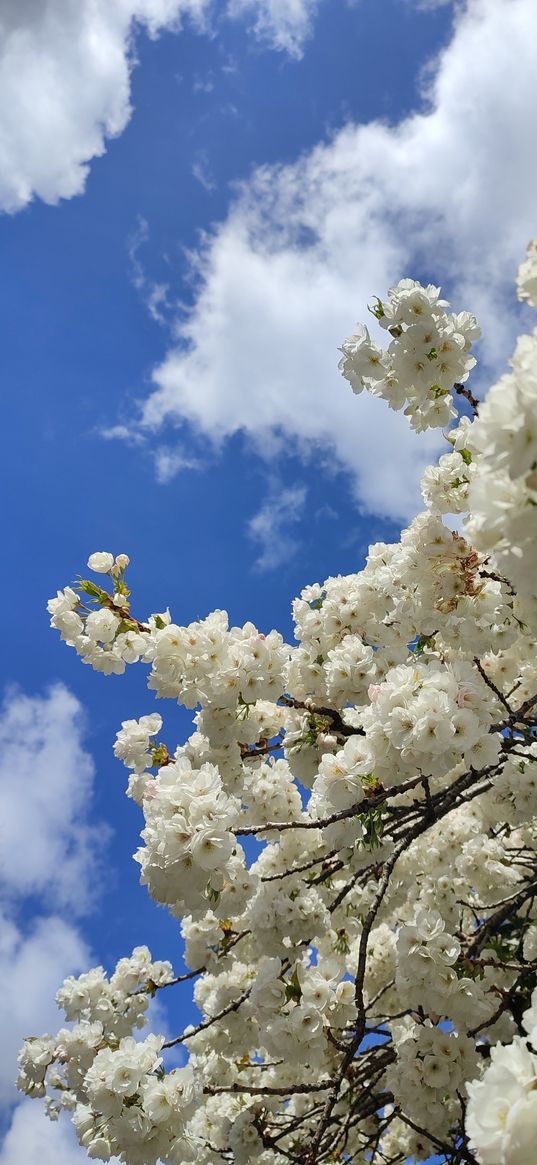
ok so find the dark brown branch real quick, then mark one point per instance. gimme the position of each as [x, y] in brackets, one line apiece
[529, 890]
[360, 807]
[462, 390]
[201, 1027]
[268, 1090]
[490, 684]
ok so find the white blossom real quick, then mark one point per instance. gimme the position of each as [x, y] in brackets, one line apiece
[101, 562]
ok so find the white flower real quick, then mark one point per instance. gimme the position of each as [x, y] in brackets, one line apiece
[501, 1116]
[211, 847]
[101, 626]
[101, 562]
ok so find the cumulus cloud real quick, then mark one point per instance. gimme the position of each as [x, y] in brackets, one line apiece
[32, 966]
[449, 192]
[32, 1137]
[64, 87]
[47, 845]
[65, 78]
[269, 527]
[48, 854]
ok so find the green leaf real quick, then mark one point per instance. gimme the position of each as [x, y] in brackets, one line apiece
[373, 825]
[126, 625]
[95, 592]
[378, 310]
[341, 944]
[466, 456]
[422, 642]
[293, 989]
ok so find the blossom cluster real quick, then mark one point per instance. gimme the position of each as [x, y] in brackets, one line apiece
[503, 495]
[120, 1098]
[188, 837]
[348, 837]
[427, 355]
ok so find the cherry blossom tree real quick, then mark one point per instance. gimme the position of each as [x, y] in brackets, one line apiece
[348, 837]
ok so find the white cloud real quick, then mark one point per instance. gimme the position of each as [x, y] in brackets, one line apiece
[135, 242]
[284, 24]
[48, 852]
[127, 433]
[154, 295]
[47, 846]
[202, 172]
[33, 1138]
[429, 5]
[65, 89]
[269, 526]
[32, 966]
[65, 78]
[281, 281]
[170, 462]
[203, 84]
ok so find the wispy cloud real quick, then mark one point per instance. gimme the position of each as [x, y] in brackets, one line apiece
[283, 24]
[127, 433]
[269, 528]
[171, 461]
[202, 172]
[154, 294]
[429, 5]
[203, 84]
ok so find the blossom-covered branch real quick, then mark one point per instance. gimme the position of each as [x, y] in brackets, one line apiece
[348, 836]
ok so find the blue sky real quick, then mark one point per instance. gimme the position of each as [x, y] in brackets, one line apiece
[169, 359]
